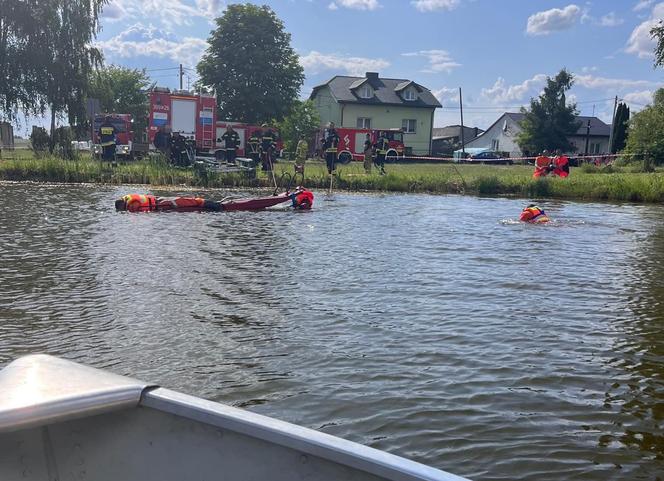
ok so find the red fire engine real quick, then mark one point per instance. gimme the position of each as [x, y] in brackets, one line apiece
[124, 134]
[193, 116]
[351, 143]
[244, 131]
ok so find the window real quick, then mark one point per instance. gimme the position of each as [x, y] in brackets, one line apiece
[366, 92]
[363, 123]
[408, 125]
[495, 143]
[409, 94]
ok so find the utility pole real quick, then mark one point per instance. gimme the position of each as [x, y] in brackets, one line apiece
[613, 124]
[463, 147]
[587, 135]
[181, 75]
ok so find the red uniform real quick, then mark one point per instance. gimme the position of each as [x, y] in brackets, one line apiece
[542, 164]
[561, 166]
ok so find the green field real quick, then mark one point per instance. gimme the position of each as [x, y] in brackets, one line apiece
[588, 183]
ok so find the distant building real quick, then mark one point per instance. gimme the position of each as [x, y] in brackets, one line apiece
[6, 135]
[446, 140]
[379, 103]
[501, 135]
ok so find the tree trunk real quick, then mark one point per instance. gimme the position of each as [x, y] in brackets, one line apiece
[51, 140]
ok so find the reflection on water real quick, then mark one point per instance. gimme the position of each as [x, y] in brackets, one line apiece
[437, 328]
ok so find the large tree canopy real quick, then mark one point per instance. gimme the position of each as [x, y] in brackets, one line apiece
[122, 90]
[646, 130]
[251, 66]
[46, 55]
[550, 121]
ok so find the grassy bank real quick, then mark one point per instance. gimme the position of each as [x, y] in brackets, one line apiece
[588, 184]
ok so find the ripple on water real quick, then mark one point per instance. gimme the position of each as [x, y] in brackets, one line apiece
[438, 328]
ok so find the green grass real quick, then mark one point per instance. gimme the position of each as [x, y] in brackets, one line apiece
[616, 183]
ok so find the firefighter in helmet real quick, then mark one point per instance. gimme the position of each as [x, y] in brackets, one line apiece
[231, 141]
[268, 147]
[330, 143]
[382, 146]
[107, 138]
[253, 150]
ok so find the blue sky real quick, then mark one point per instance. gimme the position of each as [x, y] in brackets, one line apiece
[498, 51]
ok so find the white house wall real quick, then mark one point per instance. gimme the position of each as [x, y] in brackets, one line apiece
[506, 137]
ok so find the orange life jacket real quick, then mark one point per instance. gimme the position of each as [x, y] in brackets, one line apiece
[533, 214]
[140, 202]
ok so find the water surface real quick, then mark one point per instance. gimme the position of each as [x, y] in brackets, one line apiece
[434, 327]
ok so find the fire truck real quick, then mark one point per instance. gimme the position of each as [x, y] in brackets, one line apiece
[351, 143]
[244, 131]
[192, 115]
[124, 134]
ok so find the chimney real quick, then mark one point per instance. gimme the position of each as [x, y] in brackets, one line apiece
[372, 76]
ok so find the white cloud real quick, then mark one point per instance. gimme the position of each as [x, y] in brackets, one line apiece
[164, 12]
[359, 4]
[643, 97]
[447, 96]
[642, 5]
[439, 60]
[434, 5]
[315, 62]
[114, 11]
[640, 42]
[555, 19]
[211, 8]
[610, 84]
[333, 6]
[147, 41]
[499, 92]
[611, 20]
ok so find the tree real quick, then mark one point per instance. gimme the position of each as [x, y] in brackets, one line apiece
[657, 33]
[550, 121]
[122, 90]
[250, 64]
[68, 30]
[302, 121]
[19, 84]
[46, 56]
[620, 128]
[646, 130]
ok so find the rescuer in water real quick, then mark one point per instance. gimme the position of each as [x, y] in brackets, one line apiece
[301, 199]
[533, 215]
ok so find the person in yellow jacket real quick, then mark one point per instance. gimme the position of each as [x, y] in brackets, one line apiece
[107, 138]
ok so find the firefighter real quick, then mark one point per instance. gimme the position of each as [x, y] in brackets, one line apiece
[268, 145]
[231, 142]
[179, 154]
[382, 146]
[107, 138]
[253, 146]
[330, 143]
[368, 154]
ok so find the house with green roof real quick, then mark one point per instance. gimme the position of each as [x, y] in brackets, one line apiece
[371, 102]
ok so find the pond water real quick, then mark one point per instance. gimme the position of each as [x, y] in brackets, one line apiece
[434, 327]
